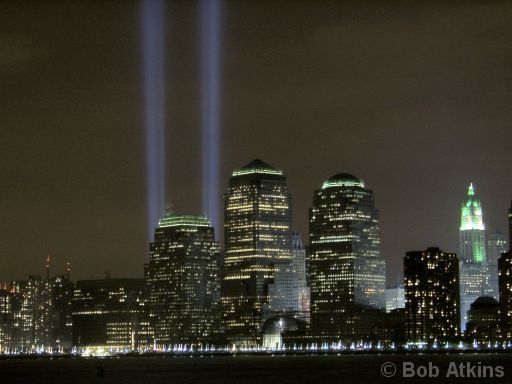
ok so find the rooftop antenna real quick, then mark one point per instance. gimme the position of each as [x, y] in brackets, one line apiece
[48, 259]
[68, 270]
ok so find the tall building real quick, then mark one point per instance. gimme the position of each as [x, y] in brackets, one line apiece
[9, 329]
[510, 226]
[431, 295]
[257, 221]
[474, 270]
[505, 283]
[288, 293]
[395, 298]
[109, 315]
[347, 273]
[183, 281]
[496, 245]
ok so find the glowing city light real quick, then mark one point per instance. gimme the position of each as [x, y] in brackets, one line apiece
[153, 46]
[210, 107]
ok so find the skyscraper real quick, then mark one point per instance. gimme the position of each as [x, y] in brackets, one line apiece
[496, 245]
[183, 280]
[288, 293]
[474, 271]
[347, 273]
[510, 226]
[505, 282]
[431, 295]
[257, 220]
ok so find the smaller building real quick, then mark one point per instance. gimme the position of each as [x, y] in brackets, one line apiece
[431, 296]
[483, 319]
[109, 316]
[280, 330]
[395, 298]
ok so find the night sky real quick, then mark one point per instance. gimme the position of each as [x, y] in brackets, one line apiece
[415, 99]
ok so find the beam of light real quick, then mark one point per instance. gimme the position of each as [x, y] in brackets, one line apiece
[153, 47]
[210, 108]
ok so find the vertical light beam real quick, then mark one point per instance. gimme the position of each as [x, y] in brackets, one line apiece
[153, 47]
[210, 108]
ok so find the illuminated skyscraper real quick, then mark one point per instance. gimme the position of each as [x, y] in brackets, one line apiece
[474, 270]
[347, 273]
[257, 220]
[496, 245]
[183, 280]
[431, 295]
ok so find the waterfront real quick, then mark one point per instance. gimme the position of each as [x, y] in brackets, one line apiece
[361, 369]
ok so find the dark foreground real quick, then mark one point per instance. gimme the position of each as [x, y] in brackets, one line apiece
[360, 369]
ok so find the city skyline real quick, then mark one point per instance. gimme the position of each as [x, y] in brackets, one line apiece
[412, 99]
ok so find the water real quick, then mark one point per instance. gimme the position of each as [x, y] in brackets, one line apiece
[345, 369]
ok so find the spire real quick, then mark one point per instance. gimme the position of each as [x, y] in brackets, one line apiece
[471, 190]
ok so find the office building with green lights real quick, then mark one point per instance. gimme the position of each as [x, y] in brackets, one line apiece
[431, 280]
[257, 234]
[346, 271]
[183, 281]
[474, 269]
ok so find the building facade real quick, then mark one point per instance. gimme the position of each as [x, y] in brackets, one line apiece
[431, 280]
[257, 234]
[183, 281]
[474, 269]
[505, 283]
[496, 245]
[395, 298]
[347, 274]
[109, 316]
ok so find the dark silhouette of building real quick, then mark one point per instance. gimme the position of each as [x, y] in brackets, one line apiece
[484, 320]
[257, 221]
[431, 295]
[183, 281]
[109, 314]
[505, 282]
[346, 272]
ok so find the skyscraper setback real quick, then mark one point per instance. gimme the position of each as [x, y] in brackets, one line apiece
[474, 270]
[347, 273]
[257, 222]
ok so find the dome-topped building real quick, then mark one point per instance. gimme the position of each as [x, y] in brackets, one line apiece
[347, 272]
[343, 179]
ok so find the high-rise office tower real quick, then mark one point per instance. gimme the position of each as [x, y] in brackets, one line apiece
[347, 273]
[257, 220]
[505, 283]
[431, 295]
[299, 265]
[496, 245]
[474, 271]
[183, 280]
[288, 293]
